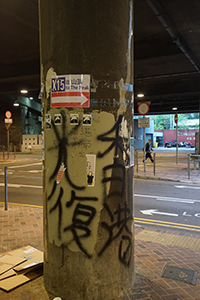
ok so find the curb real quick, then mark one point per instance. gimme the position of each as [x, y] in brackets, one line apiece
[164, 179]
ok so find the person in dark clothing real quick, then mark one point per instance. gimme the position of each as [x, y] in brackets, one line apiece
[90, 177]
[148, 151]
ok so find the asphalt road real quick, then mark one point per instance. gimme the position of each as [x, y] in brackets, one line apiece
[167, 204]
[24, 182]
[156, 203]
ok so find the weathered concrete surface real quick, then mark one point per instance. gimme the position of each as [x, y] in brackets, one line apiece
[88, 213]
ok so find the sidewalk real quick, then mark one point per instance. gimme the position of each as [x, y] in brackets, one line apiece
[22, 226]
[166, 167]
[154, 249]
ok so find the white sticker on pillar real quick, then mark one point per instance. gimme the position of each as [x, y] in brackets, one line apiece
[87, 120]
[57, 119]
[48, 121]
[91, 165]
[74, 119]
[70, 91]
[131, 151]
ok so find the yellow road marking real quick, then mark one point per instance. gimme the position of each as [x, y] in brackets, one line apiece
[167, 224]
[20, 204]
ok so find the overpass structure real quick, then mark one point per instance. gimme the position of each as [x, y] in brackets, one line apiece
[166, 52]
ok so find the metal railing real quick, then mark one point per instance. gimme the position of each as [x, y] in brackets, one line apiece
[195, 158]
[144, 161]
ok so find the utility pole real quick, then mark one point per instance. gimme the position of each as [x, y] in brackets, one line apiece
[87, 99]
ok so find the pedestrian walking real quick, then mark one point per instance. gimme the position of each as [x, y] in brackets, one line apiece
[148, 150]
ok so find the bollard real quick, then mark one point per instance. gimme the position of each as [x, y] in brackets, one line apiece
[137, 160]
[154, 163]
[6, 189]
[188, 166]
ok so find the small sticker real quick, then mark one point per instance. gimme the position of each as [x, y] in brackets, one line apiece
[131, 151]
[87, 120]
[48, 121]
[74, 119]
[60, 173]
[91, 164]
[57, 119]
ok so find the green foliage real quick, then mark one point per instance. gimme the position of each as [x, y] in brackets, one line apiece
[167, 121]
[181, 118]
[162, 122]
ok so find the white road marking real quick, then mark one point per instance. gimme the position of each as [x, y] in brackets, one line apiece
[31, 171]
[8, 172]
[154, 211]
[187, 187]
[12, 185]
[186, 215]
[23, 166]
[170, 199]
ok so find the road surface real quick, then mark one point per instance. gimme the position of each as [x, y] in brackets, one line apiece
[24, 182]
[167, 204]
[170, 205]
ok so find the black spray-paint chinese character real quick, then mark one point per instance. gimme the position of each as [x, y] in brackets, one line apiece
[118, 227]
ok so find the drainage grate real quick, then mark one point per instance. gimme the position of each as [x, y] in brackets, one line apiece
[187, 276]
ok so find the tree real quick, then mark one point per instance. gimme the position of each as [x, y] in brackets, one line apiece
[162, 122]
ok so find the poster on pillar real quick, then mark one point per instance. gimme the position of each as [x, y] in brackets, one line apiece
[70, 91]
[77, 157]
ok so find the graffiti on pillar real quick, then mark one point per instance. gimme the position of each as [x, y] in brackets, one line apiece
[118, 142]
[115, 141]
[118, 178]
[58, 206]
[74, 209]
[118, 168]
[118, 228]
[77, 227]
[82, 218]
[79, 224]
[63, 144]
[61, 169]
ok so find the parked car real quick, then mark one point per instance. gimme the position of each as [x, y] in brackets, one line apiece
[168, 144]
[188, 145]
[174, 144]
[181, 144]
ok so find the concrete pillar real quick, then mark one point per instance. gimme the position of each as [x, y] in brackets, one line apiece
[86, 86]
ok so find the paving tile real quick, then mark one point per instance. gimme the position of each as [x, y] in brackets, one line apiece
[154, 296]
[172, 297]
[138, 296]
[150, 259]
